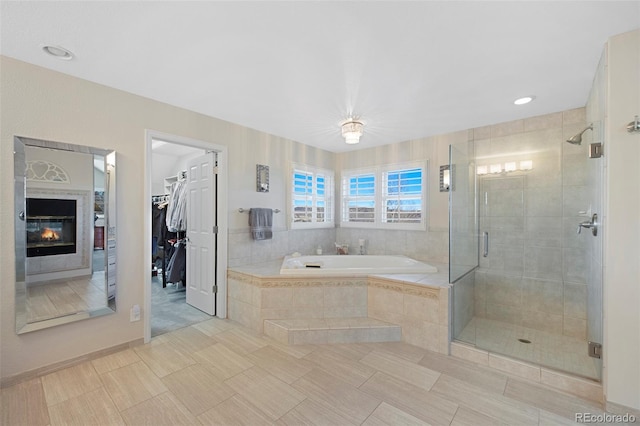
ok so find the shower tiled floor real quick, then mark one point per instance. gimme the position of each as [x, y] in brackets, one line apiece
[547, 349]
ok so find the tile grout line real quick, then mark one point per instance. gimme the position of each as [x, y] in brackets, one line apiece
[371, 414]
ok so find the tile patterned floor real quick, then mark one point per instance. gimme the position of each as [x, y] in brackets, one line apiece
[169, 308]
[548, 349]
[219, 373]
[58, 298]
[65, 297]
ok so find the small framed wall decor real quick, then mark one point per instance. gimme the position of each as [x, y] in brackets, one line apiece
[262, 178]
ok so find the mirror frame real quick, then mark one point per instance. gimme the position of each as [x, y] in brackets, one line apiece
[445, 178]
[262, 178]
[20, 197]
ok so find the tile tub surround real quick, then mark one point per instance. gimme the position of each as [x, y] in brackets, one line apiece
[420, 307]
[417, 303]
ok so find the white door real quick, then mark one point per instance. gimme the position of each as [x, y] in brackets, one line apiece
[201, 233]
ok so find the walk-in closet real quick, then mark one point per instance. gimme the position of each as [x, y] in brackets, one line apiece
[175, 202]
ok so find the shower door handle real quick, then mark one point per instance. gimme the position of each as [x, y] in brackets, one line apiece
[593, 225]
[485, 241]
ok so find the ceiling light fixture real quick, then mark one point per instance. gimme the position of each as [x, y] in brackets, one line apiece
[58, 52]
[352, 130]
[524, 100]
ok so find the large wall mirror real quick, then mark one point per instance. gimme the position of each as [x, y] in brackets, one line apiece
[65, 233]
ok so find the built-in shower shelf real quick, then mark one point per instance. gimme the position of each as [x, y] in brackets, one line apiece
[331, 330]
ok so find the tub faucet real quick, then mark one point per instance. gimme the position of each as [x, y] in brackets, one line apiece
[361, 245]
[342, 248]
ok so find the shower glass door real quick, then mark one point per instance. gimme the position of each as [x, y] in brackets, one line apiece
[463, 222]
[537, 292]
[463, 235]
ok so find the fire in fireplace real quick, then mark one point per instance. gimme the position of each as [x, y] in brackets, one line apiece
[51, 227]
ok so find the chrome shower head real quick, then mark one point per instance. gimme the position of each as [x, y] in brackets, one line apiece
[577, 139]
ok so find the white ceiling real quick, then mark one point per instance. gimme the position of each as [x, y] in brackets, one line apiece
[296, 68]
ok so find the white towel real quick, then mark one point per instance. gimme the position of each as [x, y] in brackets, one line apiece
[260, 223]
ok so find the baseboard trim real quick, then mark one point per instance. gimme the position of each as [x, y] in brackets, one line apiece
[41, 371]
[620, 409]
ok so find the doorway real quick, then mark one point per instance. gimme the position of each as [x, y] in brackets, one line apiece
[186, 282]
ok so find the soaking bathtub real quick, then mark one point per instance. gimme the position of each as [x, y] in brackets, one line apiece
[354, 264]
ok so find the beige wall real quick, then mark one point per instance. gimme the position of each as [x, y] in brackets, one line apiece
[622, 224]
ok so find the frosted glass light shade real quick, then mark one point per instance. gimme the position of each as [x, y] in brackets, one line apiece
[526, 165]
[510, 167]
[351, 131]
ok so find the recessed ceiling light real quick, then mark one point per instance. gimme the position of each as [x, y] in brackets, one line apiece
[524, 100]
[58, 52]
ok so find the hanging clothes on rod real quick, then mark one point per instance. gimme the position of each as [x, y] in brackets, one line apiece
[158, 218]
[161, 250]
[160, 200]
[176, 269]
[177, 207]
[176, 225]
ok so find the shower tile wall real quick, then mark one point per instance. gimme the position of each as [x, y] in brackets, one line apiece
[537, 268]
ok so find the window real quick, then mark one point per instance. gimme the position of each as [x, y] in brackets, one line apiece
[360, 199]
[311, 197]
[402, 196]
[385, 197]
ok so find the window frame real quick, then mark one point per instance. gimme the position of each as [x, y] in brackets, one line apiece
[329, 197]
[380, 173]
[346, 177]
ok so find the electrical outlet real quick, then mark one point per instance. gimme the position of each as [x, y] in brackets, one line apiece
[135, 313]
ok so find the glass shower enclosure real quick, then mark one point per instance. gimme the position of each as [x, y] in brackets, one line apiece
[527, 280]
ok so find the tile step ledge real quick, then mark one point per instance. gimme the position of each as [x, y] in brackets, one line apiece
[331, 330]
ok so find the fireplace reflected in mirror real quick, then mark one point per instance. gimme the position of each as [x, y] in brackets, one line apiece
[51, 227]
[65, 233]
